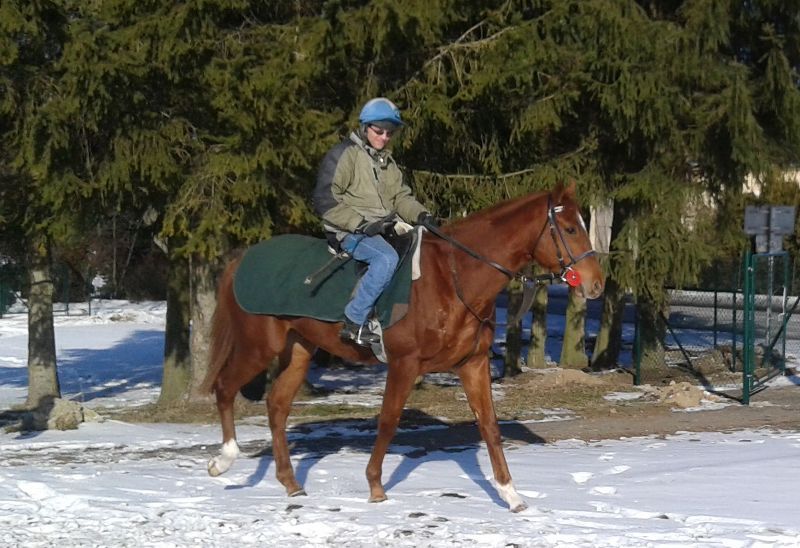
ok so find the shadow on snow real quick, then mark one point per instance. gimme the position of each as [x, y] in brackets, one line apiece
[87, 374]
[434, 441]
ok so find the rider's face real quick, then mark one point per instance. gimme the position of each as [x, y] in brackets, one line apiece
[378, 137]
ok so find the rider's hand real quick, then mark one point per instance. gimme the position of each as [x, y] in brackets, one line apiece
[402, 227]
[426, 219]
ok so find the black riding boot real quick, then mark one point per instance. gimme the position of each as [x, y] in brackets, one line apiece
[359, 334]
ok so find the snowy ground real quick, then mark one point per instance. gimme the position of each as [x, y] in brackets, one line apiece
[118, 484]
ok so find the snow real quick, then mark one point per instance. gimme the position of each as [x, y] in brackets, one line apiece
[121, 484]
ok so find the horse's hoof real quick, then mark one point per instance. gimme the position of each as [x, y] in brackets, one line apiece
[519, 507]
[213, 471]
[380, 498]
[298, 493]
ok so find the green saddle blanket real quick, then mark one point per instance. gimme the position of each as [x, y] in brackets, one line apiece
[271, 280]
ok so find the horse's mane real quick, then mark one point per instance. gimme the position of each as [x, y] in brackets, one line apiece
[486, 216]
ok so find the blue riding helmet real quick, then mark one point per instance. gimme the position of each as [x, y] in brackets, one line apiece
[381, 112]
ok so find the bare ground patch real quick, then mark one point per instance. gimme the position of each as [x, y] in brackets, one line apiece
[596, 405]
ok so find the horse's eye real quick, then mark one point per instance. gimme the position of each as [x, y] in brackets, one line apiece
[571, 230]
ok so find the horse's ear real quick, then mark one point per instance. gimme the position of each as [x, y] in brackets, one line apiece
[570, 190]
[561, 191]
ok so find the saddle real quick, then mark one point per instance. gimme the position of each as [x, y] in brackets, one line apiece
[272, 279]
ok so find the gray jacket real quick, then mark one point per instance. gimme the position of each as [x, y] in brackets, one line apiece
[357, 184]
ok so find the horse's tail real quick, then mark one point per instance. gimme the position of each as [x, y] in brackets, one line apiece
[222, 333]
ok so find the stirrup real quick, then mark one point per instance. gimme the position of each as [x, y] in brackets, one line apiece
[359, 334]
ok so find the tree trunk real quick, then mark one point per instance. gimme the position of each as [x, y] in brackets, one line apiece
[536, 350]
[43, 381]
[652, 331]
[204, 301]
[177, 358]
[573, 348]
[513, 331]
[609, 339]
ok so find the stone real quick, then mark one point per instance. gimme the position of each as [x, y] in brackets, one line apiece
[58, 414]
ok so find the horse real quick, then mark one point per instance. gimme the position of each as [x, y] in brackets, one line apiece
[449, 326]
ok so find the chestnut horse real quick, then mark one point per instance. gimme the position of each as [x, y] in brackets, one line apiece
[449, 327]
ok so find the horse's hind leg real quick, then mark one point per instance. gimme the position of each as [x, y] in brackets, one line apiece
[295, 360]
[477, 386]
[230, 449]
[239, 371]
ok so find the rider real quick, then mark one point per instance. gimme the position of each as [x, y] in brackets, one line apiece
[360, 195]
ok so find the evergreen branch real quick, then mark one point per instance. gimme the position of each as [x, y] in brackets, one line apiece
[459, 43]
[87, 153]
[475, 176]
[501, 176]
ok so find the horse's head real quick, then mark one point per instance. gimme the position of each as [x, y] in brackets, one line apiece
[564, 246]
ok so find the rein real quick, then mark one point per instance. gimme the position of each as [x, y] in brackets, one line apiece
[474, 254]
[567, 273]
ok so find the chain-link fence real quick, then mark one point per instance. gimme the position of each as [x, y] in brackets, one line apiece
[67, 287]
[730, 318]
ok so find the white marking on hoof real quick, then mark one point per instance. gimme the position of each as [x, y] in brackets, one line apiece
[519, 508]
[223, 462]
[512, 498]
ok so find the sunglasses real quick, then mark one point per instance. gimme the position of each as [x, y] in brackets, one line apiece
[380, 132]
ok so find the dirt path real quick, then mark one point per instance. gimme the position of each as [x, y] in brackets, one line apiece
[775, 408]
[577, 404]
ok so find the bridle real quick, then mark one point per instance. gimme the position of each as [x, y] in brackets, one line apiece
[567, 274]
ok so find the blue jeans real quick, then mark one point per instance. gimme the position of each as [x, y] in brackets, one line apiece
[382, 260]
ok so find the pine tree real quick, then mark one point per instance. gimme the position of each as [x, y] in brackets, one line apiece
[33, 193]
[651, 104]
[202, 113]
[212, 116]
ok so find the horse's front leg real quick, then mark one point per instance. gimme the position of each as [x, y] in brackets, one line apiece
[399, 381]
[476, 381]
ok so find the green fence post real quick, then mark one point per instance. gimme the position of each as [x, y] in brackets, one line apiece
[749, 325]
[716, 319]
[734, 325]
[787, 284]
[637, 350]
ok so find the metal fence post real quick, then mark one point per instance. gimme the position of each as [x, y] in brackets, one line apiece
[716, 319]
[748, 349]
[637, 349]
